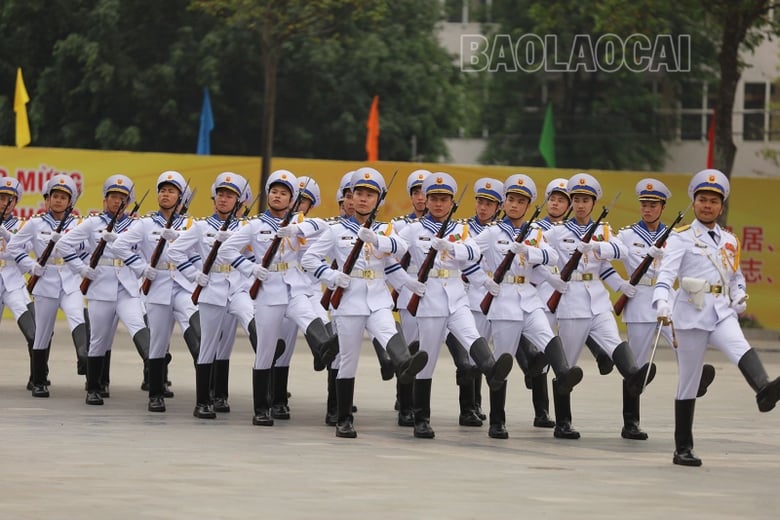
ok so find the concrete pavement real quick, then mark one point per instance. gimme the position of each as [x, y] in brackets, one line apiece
[63, 459]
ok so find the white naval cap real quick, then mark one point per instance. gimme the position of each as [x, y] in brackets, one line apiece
[344, 184]
[440, 182]
[311, 190]
[559, 185]
[118, 183]
[415, 179]
[709, 180]
[172, 177]
[284, 177]
[11, 186]
[230, 181]
[64, 183]
[489, 188]
[368, 177]
[652, 189]
[521, 184]
[584, 183]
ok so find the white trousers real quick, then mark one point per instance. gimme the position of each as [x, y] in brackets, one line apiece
[270, 319]
[216, 338]
[433, 330]
[16, 300]
[161, 319]
[575, 331]
[641, 337]
[103, 316]
[535, 327]
[380, 324]
[46, 314]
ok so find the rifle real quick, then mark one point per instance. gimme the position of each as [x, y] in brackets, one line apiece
[574, 259]
[506, 263]
[247, 207]
[215, 247]
[430, 258]
[158, 250]
[273, 248]
[186, 203]
[349, 263]
[642, 268]
[50, 246]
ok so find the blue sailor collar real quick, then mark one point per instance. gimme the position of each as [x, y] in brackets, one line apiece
[475, 225]
[159, 219]
[215, 222]
[269, 219]
[575, 228]
[353, 225]
[433, 226]
[640, 228]
[10, 222]
[49, 219]
[545, 223]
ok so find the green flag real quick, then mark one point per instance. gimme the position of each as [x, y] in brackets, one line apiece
[547, 139]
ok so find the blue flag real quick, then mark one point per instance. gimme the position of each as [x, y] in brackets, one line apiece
[206, 125]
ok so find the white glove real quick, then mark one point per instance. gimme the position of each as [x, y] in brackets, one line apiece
[628, 289]
[558, 284]
[416, 287]
[37, 270]
[5, 234]
[442, 244]
[169, 234]
[739, 301]
[368, 236]
[88, 272]
[288, 231]
[518, 248]
[109, 236]
[222, 236]
[55, 236]
[492, 287]
[201, 279]
[655, 252]
[587, 247]
[150, 273]
[260, 272]
[663, 311]
[342, 280]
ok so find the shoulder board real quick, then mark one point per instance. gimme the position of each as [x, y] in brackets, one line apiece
[150, 214]
[332, 219]
[680, 229]
[495, 223]
[730, 233]
[93, 213]
[381, 223]
[625, 227]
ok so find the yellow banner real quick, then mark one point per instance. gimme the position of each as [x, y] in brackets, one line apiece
[750, 203]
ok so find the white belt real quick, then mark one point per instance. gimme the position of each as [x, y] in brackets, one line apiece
[646, 280]
[55, 261]
[444, 273]
[115, 262]
[221, 268]
[510, 278]
[552, 268]
[367, 274]
[581, 277]
[166, 266]
[279, 267]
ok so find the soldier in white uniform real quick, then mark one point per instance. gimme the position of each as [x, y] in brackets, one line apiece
[445, 305]
[585, 308]
[704, 258]
[13, 288]
[366, 303]
[170, 291]
[283, 292]
[113, 289]
[516, 309]
[57, 286]
[224, 294]
[344, 196]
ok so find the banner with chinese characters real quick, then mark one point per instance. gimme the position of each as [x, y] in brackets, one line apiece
[751, 202]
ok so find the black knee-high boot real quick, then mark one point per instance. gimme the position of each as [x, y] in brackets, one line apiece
[324, 346]
[405, 393]
[94, 373]
[541, 401]
[683, 433]
[40, 369]
[141, 340]
[602, 358]
[467, 400]
[562, 400]
[567, 376]
[634, 377]
[261, 387]
[26, 323]
[386, 368]
[478, 395]
[498, 413]
[280, 408]
[203, 408]
[105, 376]
[156, 384]
[192, 336]
[81, 342]
[767, 393]
[345, 392]
[221, 385]
[331, 407]
[422, 409]
[405, 364]
[495, 370]
[631, 428]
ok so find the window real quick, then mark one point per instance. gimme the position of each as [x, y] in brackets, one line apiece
[774, 112]
[754, 112]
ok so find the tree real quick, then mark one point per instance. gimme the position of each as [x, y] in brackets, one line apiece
[275, 23]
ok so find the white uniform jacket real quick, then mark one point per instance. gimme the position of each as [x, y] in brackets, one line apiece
[33, 236]
[709, 276]
[196, 243]
[135, 247]
[445, 291]
[10, 276]
[475, 291]
[638, 240]
[367, 291]
[516, 290]
[111, 271]
[586, 295]
[285, 279]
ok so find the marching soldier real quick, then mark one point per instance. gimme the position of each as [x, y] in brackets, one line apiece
[57, 287]
[585, 308]
[517, 309]
[224, 294]
[113, 289]
[284, 291]
[705, 259]
[13, 290]
[170, 291]
[445, 306]
[366, 303]
[344, 196]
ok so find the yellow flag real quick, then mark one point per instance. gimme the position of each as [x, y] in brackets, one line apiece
[20, 107]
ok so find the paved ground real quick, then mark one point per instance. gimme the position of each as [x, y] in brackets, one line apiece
[63, 459]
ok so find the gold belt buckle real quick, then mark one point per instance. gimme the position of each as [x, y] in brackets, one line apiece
[518, 279]
[59, 261]
[281, 267]
[225, 268]
[2, 263]
[442, 273]
[118, 262]
[587, 277]
[368, 274]
[716, 289]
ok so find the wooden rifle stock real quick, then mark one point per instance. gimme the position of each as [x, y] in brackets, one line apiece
[571, 265]
[49, 249]
[158, 250]
[647, 261]
[506, 263]
[100, 248]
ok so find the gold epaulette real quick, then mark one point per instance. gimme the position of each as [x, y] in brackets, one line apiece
[680, 229]
[94, 213]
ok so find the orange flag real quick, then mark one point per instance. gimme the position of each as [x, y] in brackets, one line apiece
[372, 136]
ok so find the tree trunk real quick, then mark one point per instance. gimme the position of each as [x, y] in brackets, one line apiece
[271, 64]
